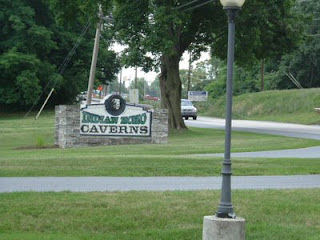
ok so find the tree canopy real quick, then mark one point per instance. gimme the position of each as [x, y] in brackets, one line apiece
[25, 45]
[168, 28]
[35, 55]
[155, 32]
[304, 62]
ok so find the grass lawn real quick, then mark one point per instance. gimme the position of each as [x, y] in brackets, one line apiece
[294, 106]
[173, 159]
[270, 215]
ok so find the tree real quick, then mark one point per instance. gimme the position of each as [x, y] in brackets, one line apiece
[24, 47]
[168, 28]
[33, 47]
[304, 62]
[244, 81]
[165, 29]
[154, 89]
[108, 66]
[200, 76]
[275, 29]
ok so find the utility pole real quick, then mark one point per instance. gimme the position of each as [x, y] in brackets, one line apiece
[45, 102]
[189, 73]
[94, 58]
[144, 88]
[120, 80]
[136, 79]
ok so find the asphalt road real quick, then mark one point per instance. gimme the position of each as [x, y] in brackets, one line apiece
[275, 128]
[283, 129]
[98, 184]
[310, 152]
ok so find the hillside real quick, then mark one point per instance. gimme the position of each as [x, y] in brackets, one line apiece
[293, 106]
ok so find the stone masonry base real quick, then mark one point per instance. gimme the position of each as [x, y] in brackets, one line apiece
[68, 130]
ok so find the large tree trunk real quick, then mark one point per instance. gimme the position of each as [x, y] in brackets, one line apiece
[170, 85]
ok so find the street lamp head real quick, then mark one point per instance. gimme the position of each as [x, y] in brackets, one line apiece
[232, 3]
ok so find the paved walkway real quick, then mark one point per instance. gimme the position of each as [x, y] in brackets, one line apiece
[311, 152]
[102, 184]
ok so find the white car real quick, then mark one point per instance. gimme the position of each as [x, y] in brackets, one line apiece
[188, 110]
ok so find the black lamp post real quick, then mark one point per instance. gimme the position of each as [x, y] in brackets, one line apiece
[225, 209]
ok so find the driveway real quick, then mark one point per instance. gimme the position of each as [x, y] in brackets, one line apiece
[310, 152]
[275, 128]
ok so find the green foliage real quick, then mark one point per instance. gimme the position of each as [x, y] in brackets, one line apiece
[244, 81]
[34, 49]
[274, 30]
[184, 82]
[82, 11]
[145, 89]
[28, 84]
[108, 66]
[17, 70]
[33, 45]
[161, 28]
[157, 33]
[303, 63]
[24, 46]
[40, 141]
[154, 88]
[202, 75]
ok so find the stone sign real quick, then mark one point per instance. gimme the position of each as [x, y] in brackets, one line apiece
[115, 118]
[114, 122]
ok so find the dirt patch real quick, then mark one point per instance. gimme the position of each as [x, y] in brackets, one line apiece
[37, 147]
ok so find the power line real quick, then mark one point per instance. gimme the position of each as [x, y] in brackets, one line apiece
[186, 4]
[62, 66]
[199, 5]
[72, 52]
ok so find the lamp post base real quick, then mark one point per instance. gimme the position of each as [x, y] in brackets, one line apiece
[225, 215]
[215, 228]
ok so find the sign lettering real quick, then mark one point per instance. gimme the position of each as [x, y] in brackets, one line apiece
[133, 121]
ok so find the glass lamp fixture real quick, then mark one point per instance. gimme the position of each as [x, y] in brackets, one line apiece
[232, 3]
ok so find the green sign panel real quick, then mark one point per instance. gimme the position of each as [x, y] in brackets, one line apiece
[115, 118]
